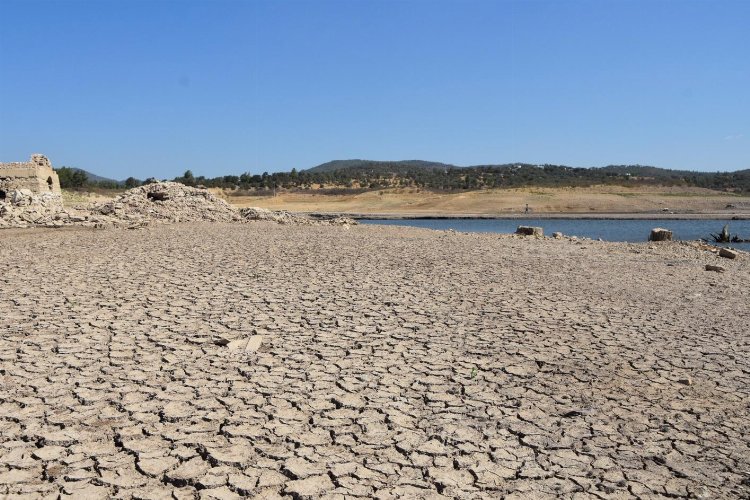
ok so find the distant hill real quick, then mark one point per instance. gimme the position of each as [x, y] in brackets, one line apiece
[95, 178]
[357, 174]
[443, 176]
[380, 166]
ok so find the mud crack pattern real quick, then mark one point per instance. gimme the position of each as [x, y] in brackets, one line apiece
[394, 362]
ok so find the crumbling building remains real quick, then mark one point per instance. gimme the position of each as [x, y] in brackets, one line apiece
[35, 175]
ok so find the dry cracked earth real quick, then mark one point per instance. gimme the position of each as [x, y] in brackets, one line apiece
[393, 362]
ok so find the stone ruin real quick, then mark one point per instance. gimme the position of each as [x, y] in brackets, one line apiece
[32, 178]
[29, 193]
[30, 196]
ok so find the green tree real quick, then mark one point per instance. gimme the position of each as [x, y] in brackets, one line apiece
[132, 182]
[71, 177]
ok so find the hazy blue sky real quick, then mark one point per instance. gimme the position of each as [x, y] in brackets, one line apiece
[157, 87]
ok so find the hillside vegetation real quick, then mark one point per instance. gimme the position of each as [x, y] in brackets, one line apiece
[347, 176]
[373, 175]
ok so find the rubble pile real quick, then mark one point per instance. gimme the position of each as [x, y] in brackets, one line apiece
[22, 208]
[284, 217]
[167, 202]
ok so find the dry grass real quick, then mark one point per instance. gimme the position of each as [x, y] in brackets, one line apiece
[599, 199]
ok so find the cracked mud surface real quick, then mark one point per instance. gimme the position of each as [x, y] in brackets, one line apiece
[394, 362]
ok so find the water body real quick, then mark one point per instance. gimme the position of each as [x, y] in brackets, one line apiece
[608, 230]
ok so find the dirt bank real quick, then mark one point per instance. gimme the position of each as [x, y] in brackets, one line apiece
[593, 201]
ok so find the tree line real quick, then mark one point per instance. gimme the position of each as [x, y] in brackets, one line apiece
[383, 175]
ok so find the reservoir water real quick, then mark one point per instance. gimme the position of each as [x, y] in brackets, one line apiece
[608, 230]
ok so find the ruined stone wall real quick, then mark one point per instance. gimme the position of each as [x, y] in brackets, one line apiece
[36, 175]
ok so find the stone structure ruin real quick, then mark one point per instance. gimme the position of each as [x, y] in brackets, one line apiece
[35, 176]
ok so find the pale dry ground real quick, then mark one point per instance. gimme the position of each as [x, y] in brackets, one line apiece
[395, 362]
[594, 200]
[73, 198]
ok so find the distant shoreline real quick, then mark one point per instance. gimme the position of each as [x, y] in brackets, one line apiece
[540, 216]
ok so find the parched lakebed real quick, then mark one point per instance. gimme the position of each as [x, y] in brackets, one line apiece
[226, 360]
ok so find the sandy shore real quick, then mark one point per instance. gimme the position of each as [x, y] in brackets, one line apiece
[394, 362]
[612, 202]
[545, 216]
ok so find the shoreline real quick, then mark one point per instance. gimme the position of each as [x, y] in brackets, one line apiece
[539, 216]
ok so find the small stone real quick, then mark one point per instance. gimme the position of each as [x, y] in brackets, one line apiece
[253, 344]
[685, 381]
[718, 269]
[727, 253]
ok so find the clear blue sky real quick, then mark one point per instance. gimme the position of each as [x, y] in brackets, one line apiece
[148, 88]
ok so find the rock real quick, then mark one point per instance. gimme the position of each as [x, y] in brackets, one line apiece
[718, 269]
[237, 345]
[530, 231]
[21, 197]
[727, 253]
[557, 235]
[685, 381]
[660, 234]
[23, 208]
